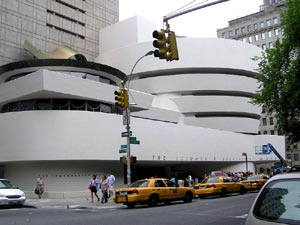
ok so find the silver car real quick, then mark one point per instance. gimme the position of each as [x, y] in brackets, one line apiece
[10, 194]
[278, 202]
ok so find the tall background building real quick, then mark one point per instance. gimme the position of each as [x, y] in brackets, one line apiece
[262, 29]
[47, 24]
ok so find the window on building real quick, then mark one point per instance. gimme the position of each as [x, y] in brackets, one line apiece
[270, 2]
[262, 24]
[230, 34]
[264, 46]
[263, 36]
[250, 39]
[244, 39]
[271, 121]
[249, 28]
[288, 156]
[271, 45]
[256, 37]
[270, 34]
[275, 20]
[268, 23]
[272, 132]
[243, 30]
[265, 132]
[237, 32]
[276, 32]
[255, 26]
[264, 120]
[295, 145]
[224, 35]
[296, 157]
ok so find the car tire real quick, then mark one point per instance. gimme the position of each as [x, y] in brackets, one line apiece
[131, 205]
[188, 197]
[153, 200]
[223, 192]
[242, 190]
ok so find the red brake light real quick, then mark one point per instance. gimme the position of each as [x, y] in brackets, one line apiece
[213, 186]
[135, 191]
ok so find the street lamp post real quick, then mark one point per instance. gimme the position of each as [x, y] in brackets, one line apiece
[127, 116]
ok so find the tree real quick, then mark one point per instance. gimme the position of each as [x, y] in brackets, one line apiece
[279, 75]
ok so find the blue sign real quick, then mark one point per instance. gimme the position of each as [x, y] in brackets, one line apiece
[263, 150]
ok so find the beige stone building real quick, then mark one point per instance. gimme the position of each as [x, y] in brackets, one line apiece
[47, 24]
[262, 29]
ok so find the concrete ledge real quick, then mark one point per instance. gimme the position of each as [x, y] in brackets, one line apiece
[59, 195]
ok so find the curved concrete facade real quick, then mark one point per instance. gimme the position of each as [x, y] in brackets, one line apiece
[184, 115]
[205, 84]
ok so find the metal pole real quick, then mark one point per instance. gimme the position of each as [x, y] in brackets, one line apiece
[166, 18]
[127, 114]
[246, 162]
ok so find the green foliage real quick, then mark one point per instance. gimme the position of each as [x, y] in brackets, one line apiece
[279, 75]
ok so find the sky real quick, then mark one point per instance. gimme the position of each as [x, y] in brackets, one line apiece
[200, 23]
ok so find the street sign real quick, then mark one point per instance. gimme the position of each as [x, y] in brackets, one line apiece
[125, 134]
[122, 150]
[134, 141]
[123, 146]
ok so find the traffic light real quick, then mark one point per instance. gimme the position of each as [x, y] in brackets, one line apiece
[160, 43]
[172, 51]
[121, 98]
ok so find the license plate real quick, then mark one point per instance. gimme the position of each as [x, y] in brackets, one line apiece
[14, 202]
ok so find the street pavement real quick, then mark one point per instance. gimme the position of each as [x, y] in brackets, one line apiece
[71, 203]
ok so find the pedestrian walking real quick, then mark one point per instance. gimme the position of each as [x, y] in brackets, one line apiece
[104, 189]
[40, 186]
[94, 183]
[110, 181]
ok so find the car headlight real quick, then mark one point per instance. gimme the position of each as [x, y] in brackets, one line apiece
[2, 195]
[23, 194]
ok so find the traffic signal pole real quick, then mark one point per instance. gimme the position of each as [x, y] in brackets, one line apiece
[127, 115]
[122, 101]
[173, 15]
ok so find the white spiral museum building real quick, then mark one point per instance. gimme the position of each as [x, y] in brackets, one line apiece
[193, 115]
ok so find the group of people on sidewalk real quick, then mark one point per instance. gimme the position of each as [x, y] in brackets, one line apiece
[106, 185]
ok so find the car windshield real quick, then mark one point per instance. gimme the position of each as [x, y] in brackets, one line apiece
[253, 178]
[211, 180]
[140, 183]
[280, 202]
[257, 177]
[5, 184]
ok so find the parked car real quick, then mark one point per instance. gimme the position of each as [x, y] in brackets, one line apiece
[151, 191]
[218, 185]
[278, 202]
[10, 194]
[255, 182]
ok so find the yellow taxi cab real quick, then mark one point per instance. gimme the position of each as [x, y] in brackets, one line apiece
[151, 191]
[255, 182]
[218, 185]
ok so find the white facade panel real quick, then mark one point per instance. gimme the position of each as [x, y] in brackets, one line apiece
[215, 104]
[196, 83]
[80, 135]
[233, 124]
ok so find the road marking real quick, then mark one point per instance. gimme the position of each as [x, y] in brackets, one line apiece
[242, 216]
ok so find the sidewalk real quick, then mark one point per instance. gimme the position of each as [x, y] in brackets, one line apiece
[71, 203]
